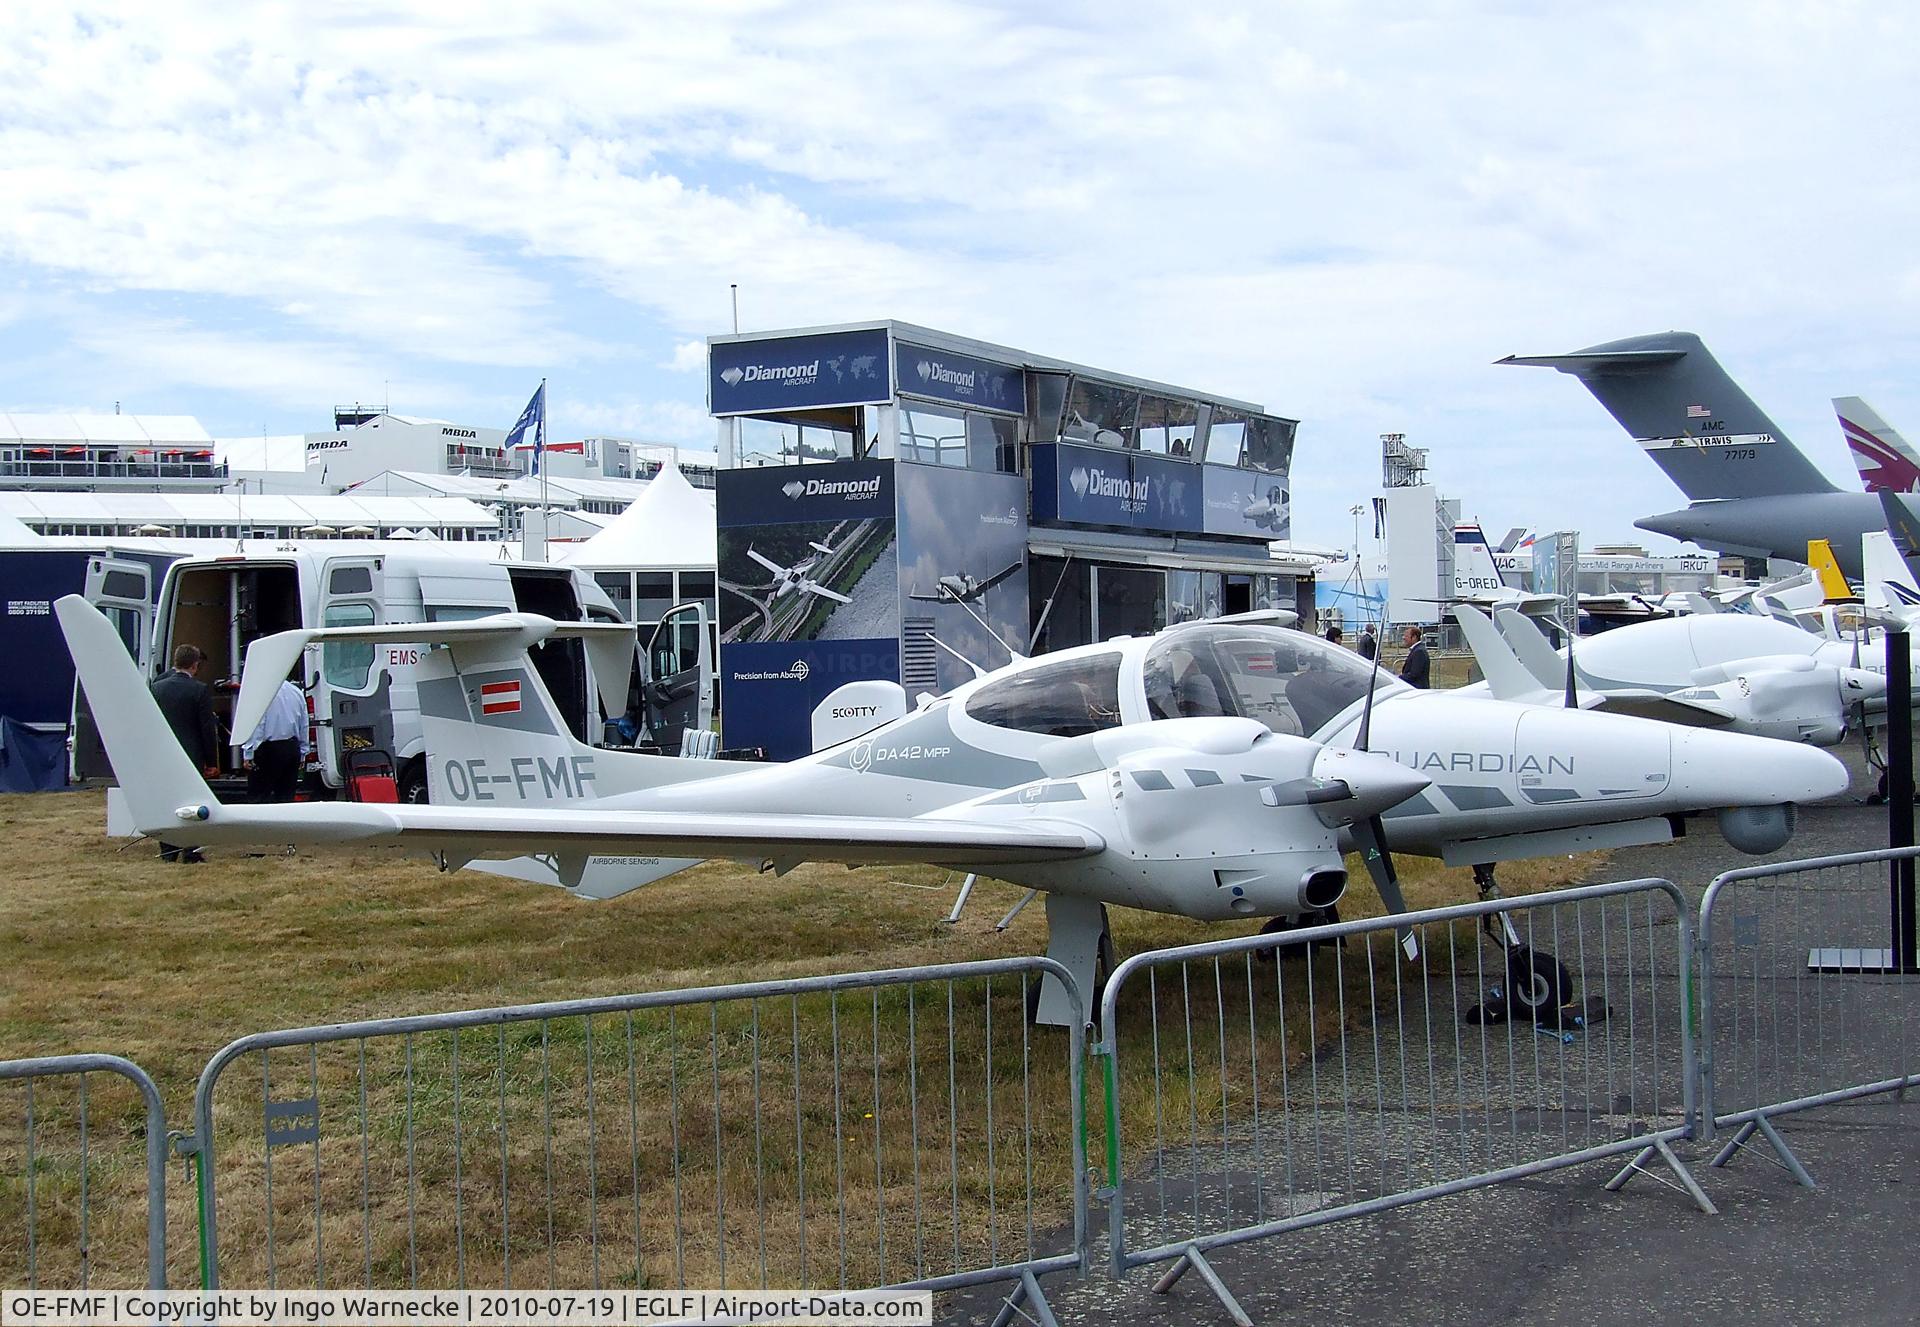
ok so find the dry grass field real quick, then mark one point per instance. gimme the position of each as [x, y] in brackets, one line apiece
[783, 1132]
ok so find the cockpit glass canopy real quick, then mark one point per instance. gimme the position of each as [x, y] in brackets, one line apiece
[1065, 698]
[1292, 682]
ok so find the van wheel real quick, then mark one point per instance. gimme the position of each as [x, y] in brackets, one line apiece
[413, 784]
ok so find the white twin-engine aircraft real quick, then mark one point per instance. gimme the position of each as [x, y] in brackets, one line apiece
[800, 575]
[1217, 770]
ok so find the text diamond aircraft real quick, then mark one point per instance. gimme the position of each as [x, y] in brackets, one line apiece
[1209, 771]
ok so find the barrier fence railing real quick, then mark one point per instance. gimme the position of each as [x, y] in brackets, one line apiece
[1290, 1080]
[905, 1128]
[910, 1128]
[1803, 1001]
[66, 1143]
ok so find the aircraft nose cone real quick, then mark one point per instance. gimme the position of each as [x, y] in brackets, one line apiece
[1718, 769]
[1377, 782]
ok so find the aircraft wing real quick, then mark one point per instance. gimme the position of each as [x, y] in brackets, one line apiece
[1658, 705]
[929, 598]
[270, 658]
[998, 576]
[766, 562]
[814, 587]
[471, 831]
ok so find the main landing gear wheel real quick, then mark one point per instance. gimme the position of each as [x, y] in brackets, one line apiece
[1106, 959]
[1538, 984]
[1326, 916]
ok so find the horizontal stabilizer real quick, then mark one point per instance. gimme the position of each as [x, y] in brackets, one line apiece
[1583, 362]
[609, 649]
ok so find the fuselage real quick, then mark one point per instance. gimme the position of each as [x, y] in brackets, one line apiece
[1496, 768]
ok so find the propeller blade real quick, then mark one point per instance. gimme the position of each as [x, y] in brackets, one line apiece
[1371, 836]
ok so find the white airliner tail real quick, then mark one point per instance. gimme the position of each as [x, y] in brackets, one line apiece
[1886, 462]
[1474, 570]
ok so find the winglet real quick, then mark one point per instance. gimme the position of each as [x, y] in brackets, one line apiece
[1507, 678]
[162, 787]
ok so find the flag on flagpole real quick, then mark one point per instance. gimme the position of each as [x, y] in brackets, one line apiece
[534, 419]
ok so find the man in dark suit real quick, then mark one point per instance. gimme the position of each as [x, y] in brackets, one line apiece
[1417, 670]
[187, 703]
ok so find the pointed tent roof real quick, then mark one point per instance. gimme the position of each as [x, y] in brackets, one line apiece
[668, 527]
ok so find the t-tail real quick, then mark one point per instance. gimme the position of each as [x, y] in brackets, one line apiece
[495, 738]
[1474, 570]
[1886, 462]
[1670, 394]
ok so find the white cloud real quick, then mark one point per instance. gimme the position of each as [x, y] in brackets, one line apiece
[1345, 211]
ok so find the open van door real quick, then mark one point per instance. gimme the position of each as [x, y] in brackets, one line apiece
[352, 710]
[122, 589]
[679, 685]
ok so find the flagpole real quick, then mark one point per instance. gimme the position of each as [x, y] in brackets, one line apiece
[539, 460]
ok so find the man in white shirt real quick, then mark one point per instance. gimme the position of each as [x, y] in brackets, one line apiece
[278, 746]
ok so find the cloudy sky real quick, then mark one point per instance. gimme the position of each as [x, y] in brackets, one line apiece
[249, 212]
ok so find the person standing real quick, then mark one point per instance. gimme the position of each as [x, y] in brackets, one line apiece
[1417, 670]
[278, 746]
[187, 704]
[1368, 645]
[1333, 633]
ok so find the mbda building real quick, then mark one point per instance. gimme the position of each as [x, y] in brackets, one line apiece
[896, 504]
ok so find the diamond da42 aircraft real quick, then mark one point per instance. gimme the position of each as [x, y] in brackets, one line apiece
[1217, 770]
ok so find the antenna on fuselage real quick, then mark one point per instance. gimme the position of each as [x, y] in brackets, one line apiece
[1041, 625]
[978, 671]
[1013, 655]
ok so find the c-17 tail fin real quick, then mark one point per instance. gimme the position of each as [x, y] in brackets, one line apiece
[1887, 464]
[1670, 394]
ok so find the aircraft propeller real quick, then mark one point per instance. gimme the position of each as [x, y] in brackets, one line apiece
[1370, 834]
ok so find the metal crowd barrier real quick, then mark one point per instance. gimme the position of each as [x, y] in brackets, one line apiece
[67, 1144]
[1802, 1000]
[1311, 1076]
[904, 1128]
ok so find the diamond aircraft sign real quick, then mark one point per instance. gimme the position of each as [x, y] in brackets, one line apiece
[798, 372]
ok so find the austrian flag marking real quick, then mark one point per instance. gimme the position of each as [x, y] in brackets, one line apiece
[500, 697]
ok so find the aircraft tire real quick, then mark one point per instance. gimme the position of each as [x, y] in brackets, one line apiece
[1538, 984]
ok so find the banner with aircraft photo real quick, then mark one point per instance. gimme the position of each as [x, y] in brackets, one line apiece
[809, 590]
[963, 572]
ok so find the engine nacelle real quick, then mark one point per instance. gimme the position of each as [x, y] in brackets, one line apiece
[1758, 830]
[1211, 834]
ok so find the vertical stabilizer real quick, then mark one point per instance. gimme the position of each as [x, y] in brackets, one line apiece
[1885, 568]
[1887, 464]
[1693, 420]
[1474, 571]
[1826, 569]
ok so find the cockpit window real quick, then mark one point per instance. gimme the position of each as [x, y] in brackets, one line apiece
[1290, 681]
[1063, 699]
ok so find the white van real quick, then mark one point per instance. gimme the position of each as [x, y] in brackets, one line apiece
[361, 696]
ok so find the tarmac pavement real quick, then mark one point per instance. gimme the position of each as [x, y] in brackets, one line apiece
[1559, 1249]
